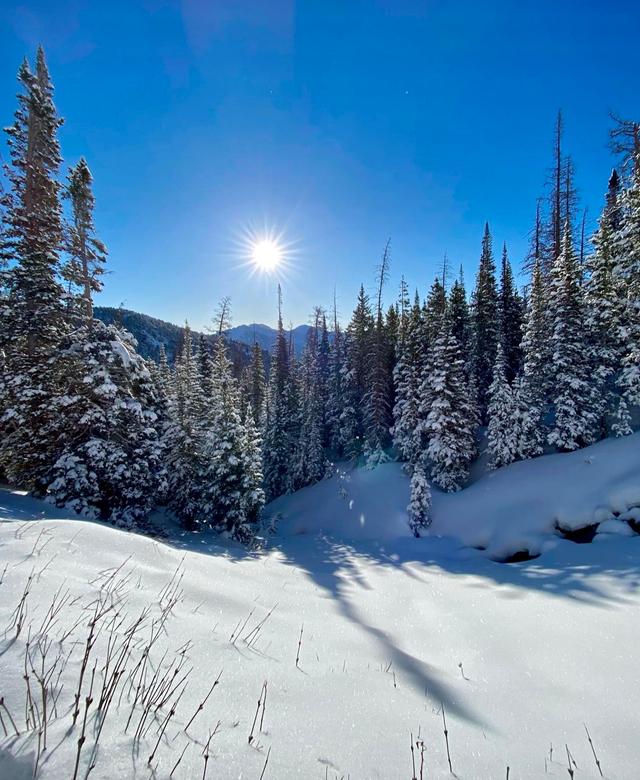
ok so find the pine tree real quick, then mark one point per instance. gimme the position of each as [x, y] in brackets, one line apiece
[626, 249]
[335, 400]
[257, 387]
[502, 433]
[279, 436]
[485, 322]
[449, 424]
[573, 392]
[356, 377]
[460, 318]
[232, 497]
[604, 301]
[378, 379]
[309, 463]
[407, 377]
[510, 314]
[419, 509]
[536, 340]
[87, 254]
[527, 421]
[32, 319]
[111, 461]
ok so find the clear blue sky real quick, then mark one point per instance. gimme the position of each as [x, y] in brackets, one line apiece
[339, 122]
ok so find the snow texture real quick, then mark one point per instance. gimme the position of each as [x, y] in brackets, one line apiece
[521, 655]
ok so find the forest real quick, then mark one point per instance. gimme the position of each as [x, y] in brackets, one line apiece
[524, 363]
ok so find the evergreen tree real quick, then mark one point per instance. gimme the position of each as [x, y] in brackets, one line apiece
[510, 314]
[335, 401]
[573, 392]
[32, 319]
[257, 387]
[111, 461]
[419, 509]
[309, 463]
[358, 349]
[604, 302]
[459, 316]
[536, 340]
[378, 379]
[527, 421]
[407, 377]
[626, 249]
[232, 497]
[502, 432]
[449, 424]
[279, 436]
[485, 322]
[87, 254]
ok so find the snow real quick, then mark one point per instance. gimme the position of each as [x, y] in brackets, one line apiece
[512, 509]
[545, 646]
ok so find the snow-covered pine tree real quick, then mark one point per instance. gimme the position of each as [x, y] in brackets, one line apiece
[460, 318]
[32, 319]
[111, 460]
[323, 360]
[536, 340]
[279, 435]
[378, 379]
[419, 509]
[407, 377]
[309, 462]
[257, 388]
[232, 496]
[335, 400]
[183, 435]
[87, 254]
[575, 405]
[626, 247]
[527, 423]
[485, 321]
[510, 315]
[356, 375]
[604, 305]
[449, 425]
[502, 431]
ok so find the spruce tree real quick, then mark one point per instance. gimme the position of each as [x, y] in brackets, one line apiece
[449, 425]
[419, 509]
[232, 496]
[33, 321]
[87, 254]
[536, 341]
[604, 302]
[510, 314]
[378, 379]
[335, 400]
[356, 375]
[574, 399]
[460, 318]
[257, 387]
[485, 321]
[407, 378]
[279, 435]
[502, 432]
[626, 248]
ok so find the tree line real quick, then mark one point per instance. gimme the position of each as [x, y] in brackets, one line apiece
[87, 423]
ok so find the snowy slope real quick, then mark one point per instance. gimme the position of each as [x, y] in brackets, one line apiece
[513, 509]
[545, 646]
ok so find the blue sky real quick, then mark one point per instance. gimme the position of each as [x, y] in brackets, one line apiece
[338, 122]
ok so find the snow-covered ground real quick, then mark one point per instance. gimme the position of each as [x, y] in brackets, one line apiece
[387, 629]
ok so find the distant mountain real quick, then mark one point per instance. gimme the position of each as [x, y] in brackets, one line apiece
[151, 333]
[265, 336]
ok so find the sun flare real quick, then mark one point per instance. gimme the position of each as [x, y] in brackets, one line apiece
[266, 255]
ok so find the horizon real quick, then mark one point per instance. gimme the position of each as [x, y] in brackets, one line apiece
[213, 123]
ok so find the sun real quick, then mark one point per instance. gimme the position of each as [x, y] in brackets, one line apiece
[266, 255]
